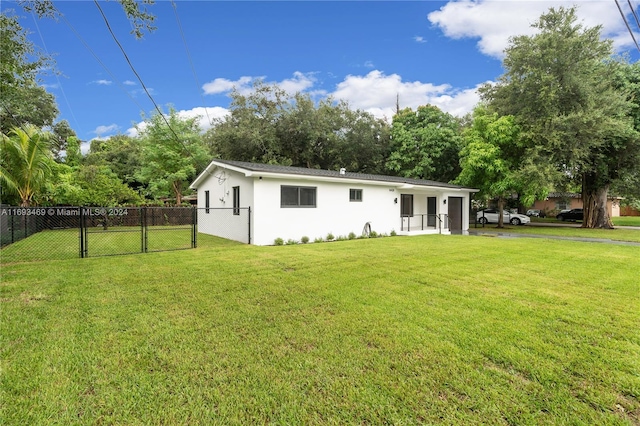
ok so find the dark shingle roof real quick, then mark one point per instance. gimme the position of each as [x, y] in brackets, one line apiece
[274, 168]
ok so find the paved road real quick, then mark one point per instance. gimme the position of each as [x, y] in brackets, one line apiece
[480, 232]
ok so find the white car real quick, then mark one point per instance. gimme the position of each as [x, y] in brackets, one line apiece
[491, 216]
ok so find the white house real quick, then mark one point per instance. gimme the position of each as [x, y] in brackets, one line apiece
[257, 203]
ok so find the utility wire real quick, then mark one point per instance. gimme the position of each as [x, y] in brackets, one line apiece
[193, 69]
[624, 18]
[95, 56]
[635, 15]
[64, 95]
[140, 79]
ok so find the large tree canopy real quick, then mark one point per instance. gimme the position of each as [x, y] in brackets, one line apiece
[425, 144]
[172, 153]
[23, 100]
[560, 85]
[270, 125]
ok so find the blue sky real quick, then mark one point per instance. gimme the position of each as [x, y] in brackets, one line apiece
[365, 52]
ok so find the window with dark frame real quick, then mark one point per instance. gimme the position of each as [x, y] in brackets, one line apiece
[236, 200]
[406, 205]
[206, 201]
[355, 194]
[297, 196]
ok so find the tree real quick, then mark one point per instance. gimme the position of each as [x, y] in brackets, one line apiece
[61, 132]
[25, 163]
[493, 160]
[172, 153]
[23, 100]
[270, 125]
[425, 144]
[560, 85]
[121, 153]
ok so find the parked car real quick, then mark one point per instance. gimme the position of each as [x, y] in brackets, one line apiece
[491, 216]
[573, 215]
[533, 213]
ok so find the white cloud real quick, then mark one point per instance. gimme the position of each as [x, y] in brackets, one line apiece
[369, 64]
[100, 130]
[102, 82]
[377, 93]
[129, 83]
[201, 113]
[493, 22]
[419, 39]
[300, 82]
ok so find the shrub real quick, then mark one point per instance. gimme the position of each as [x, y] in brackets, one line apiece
[291, 242]
[304, 240]
[373, 234]
[330, 236]
[352, 235]
[341, 238]
[318, 240]
[393, 233]
[278, 241]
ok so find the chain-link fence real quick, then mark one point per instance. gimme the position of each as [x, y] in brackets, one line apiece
[39, 233]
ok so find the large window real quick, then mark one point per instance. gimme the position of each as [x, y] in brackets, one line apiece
[236, 200]
[355, 195]
[297, 196]
[206, 201]
[406, 206]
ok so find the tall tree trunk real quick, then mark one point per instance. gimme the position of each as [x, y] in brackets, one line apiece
[594, 201]
[500, 212]
[176, 190]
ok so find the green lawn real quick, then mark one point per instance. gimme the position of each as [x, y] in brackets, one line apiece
[617, 234]
[65, 243]
[626, 221]
[398, 330]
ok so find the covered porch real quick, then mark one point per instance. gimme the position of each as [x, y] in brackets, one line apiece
[432, 212]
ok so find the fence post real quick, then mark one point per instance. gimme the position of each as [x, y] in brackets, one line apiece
[143, 229]
[194, 229]
[249, 224]
[12, 229]
[82, 236]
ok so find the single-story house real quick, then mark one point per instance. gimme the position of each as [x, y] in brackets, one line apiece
[292, 202]
[557, 201]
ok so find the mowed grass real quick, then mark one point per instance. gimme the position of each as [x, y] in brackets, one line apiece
[399, 330]
[65, 243]
[626, 221]
[616, 234]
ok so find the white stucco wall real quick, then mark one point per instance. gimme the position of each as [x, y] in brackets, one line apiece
[220, 219]
[334, 213]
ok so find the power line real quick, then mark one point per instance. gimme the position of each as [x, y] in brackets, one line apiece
[64, 95]
[635, 15]
[624, 18]
[193, 69]
[139, 78]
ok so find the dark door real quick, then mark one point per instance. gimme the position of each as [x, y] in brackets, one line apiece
[455, 214]
[431, 211]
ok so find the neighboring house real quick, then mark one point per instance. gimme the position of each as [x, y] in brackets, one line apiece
[292, 202]
[557, 201]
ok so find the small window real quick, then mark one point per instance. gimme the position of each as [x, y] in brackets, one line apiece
[206, 201]
[297, 196]
[406, 206]
[236, 200]
[355, 195]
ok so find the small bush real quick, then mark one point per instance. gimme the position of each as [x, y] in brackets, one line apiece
[330, 236]
[278, 241]
[341, 238]
[373, 234]
[352, 235]
[304, 240]
[393, 233]
[318, 240]
[291, 242]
